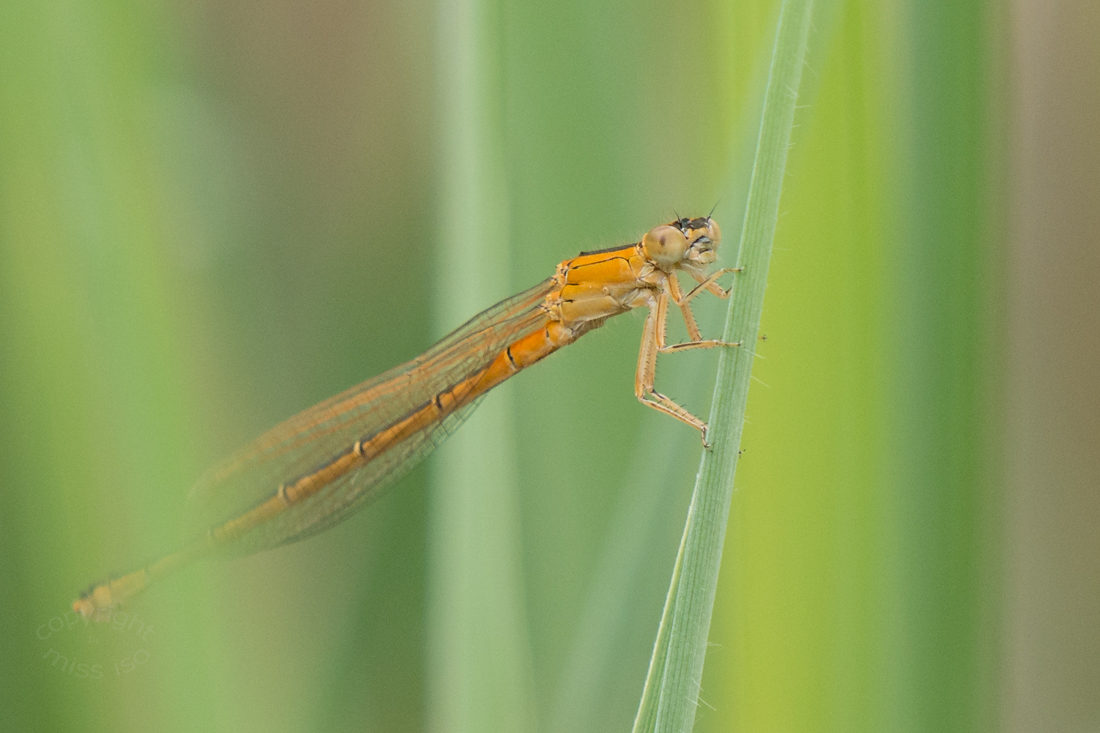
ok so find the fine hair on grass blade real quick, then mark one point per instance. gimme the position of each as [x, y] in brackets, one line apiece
[671, 693]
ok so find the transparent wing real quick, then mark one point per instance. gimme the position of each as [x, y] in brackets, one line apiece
[316, 436]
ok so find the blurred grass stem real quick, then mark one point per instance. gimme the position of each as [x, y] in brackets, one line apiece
[479, 653]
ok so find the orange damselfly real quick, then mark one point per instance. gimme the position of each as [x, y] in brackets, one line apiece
[318, 467]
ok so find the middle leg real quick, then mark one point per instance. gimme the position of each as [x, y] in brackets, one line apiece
[697, 341]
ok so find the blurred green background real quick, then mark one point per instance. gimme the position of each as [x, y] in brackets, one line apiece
[213, 215]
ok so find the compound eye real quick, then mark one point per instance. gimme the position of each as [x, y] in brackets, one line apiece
[665, 245]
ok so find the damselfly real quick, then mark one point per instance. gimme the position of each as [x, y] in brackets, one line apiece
[318, 467]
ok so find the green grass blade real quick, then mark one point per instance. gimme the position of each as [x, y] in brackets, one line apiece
[671, 693]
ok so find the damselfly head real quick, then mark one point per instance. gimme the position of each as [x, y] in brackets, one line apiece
[687, 243]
